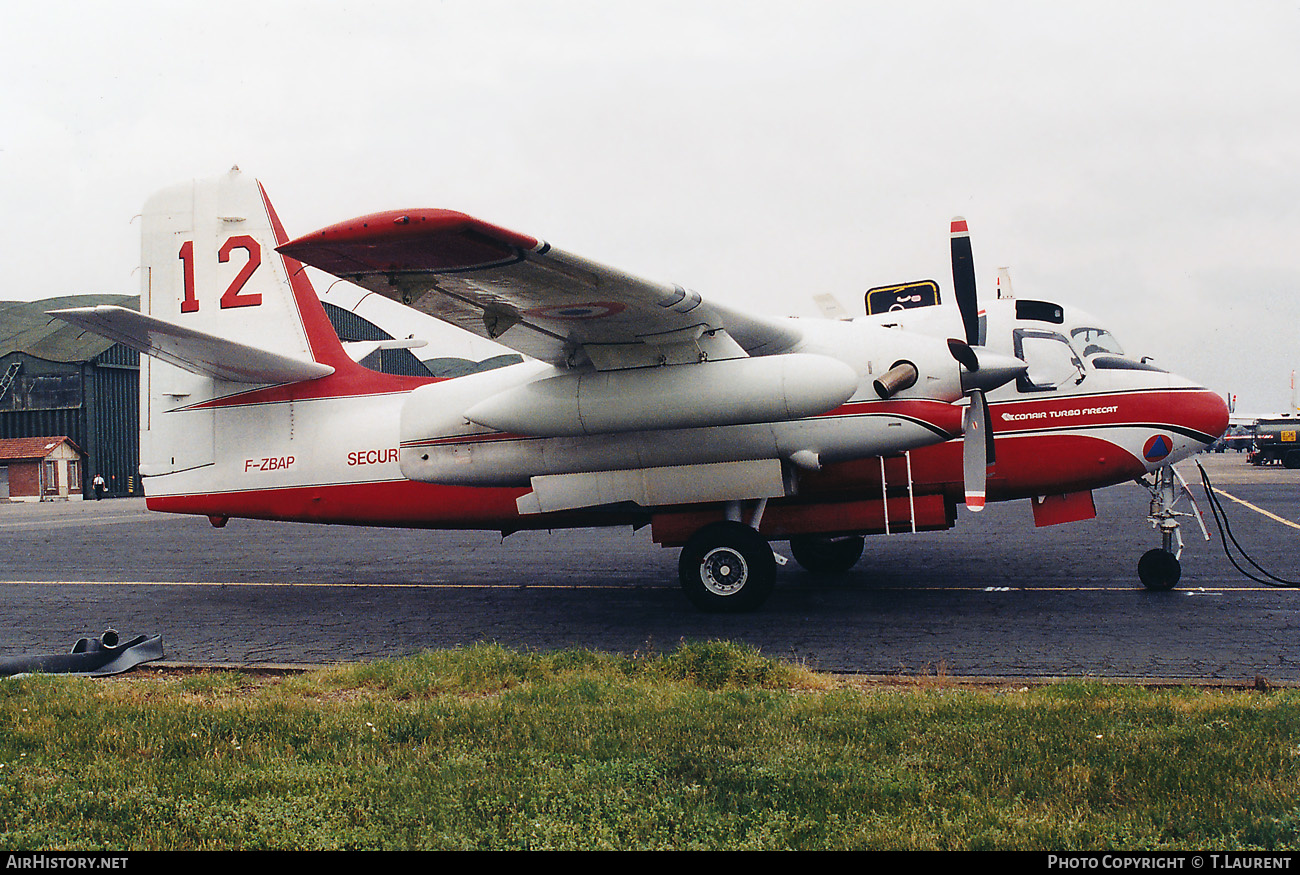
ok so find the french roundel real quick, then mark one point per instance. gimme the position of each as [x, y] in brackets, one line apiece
[1157, 448]
[590, 310]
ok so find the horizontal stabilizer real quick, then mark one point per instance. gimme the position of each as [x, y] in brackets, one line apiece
[194, 351]
[359, 349]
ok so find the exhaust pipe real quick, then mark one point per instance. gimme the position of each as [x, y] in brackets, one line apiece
[902, 376]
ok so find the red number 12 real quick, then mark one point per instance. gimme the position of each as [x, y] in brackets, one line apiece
[232, 296]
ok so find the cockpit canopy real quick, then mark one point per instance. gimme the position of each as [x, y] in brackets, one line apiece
[1062, 345]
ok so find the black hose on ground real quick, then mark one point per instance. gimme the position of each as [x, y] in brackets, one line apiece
[1226, 537]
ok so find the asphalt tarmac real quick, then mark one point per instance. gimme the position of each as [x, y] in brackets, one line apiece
[993, 597]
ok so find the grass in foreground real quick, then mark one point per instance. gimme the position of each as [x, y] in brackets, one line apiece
[711, 746]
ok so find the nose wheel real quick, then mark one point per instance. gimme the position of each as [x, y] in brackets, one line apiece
[1160, 569]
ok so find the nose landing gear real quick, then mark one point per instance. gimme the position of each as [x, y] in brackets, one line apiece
[1159, 569]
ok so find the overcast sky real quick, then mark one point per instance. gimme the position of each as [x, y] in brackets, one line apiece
[1140, 160]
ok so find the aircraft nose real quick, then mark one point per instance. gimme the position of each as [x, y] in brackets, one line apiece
[1206, 412]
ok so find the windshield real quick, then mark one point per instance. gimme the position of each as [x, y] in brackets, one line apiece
[1052, 361]
[1096, 341]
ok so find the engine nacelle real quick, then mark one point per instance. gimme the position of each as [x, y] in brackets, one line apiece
[808, 408]
[739, 391]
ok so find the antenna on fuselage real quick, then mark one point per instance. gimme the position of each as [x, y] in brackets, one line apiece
[1004, 284]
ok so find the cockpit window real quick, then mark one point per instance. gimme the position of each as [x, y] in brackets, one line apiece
[1096, 341]
[1052, 361]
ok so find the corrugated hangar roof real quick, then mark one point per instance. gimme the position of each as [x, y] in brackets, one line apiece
[25, 327]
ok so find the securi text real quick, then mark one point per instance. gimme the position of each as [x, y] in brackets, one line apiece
[372, 457]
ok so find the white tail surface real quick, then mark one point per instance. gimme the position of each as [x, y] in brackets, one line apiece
[209, 266]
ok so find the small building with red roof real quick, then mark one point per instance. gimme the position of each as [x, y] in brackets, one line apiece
[40, 469]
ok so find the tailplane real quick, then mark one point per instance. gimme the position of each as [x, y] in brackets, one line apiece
[195, 351]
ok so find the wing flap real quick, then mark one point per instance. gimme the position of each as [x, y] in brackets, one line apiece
[194, 351]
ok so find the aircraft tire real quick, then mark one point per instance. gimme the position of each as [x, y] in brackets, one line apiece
[825, 555]
[1159, 570]
[727, 567]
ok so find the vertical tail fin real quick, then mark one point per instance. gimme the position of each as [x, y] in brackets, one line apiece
[226, 322]
[210, 265]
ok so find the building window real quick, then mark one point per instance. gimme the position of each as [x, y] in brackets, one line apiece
[51, 476]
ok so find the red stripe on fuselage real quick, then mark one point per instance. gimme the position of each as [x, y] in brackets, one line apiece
[400, 503]
[1027, 465]
[1192, 411]
[1041, 454]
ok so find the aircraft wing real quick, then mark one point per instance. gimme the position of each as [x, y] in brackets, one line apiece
[538, 300]
[194, 351]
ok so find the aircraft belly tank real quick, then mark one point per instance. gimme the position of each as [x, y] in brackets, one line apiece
[720, 393]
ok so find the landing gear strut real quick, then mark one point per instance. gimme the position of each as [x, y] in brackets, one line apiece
[1159, 569]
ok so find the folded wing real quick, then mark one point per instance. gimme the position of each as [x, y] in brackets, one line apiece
[538, 300]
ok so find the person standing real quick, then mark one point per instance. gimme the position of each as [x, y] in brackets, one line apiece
[98, 483]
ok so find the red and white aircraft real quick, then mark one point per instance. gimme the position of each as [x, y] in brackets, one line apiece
[637, 402]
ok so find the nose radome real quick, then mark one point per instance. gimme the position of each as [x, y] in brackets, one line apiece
[1208, 415]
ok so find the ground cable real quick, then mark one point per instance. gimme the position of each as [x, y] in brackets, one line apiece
[1226, 536]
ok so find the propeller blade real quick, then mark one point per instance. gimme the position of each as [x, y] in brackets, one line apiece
[977, 449]
[963, 280]
[964, 353]
[990, 455]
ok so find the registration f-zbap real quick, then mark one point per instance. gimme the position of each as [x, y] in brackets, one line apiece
[634, 402]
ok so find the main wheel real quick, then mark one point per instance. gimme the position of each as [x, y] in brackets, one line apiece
[1159, 570]
[727, 566]
[822, 555]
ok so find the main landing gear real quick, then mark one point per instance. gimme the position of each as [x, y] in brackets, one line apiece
[822, 554]
[727, 566]
[1159, 569]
